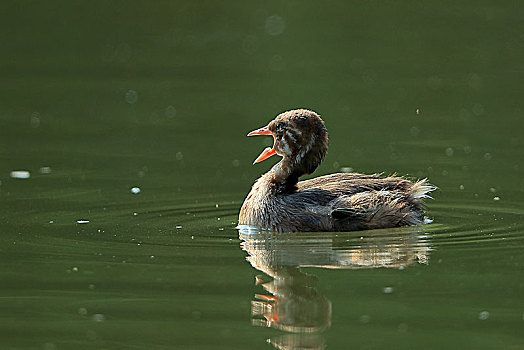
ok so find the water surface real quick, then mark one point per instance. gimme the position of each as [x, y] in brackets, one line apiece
[125, 125]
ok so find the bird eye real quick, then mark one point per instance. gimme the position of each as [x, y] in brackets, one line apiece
[280, 127]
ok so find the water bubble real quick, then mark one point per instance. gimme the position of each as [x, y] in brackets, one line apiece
[475, 81]
[99, 318]
[347, 169]
[179, 156]
[493, 190]
[91, 286]
[402, 327]
[484, 315]
[487, 156]
[131, 97]
[365, 319]
[35, 120]
[82, 221]
[170, 112]
[276, 63]
[275, 25]
[414, 131]
[235, 163]
[478, 109]
[387, 290]
[45, 170]
[417, 111]
[250, 44]
[467, 149]
[20, 174]
[336, 165]
[135, 190]
[449, 152]
[49, 346]
[369, 77]
[461, 187]
[82, 311]
[434, 82]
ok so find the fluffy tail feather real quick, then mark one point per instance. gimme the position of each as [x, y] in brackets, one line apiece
[421, 190]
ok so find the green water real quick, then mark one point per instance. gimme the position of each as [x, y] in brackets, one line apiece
[99, 98]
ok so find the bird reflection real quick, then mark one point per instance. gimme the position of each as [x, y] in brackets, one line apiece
[291, 301]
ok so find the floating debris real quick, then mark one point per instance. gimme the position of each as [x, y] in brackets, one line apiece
[82, 221]
[135, 190]
[20, 174]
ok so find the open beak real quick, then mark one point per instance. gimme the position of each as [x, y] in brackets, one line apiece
[268, 152]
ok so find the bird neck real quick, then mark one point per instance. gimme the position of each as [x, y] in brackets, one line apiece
[285, 174]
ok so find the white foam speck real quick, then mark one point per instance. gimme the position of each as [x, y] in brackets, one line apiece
[388, 290]
[484, 315]
[20, 174]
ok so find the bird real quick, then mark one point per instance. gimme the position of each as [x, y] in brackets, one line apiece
[335, 202]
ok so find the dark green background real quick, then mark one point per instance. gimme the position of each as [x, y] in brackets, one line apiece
[160, 95]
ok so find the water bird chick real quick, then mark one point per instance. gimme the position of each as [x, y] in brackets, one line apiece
[335, 202]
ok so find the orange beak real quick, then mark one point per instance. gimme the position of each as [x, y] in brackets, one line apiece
[268, 152]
